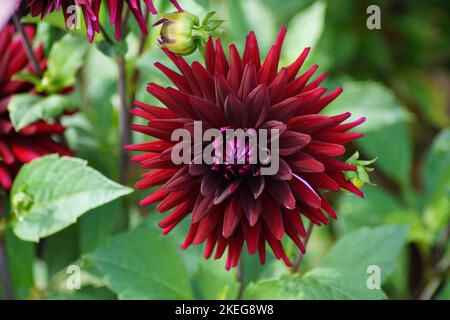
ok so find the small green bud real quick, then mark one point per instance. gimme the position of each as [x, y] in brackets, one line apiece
[176, 32]
[361, 175]
[21, 204]
[181, 32]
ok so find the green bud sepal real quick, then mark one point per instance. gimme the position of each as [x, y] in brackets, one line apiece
[182, 33]
[361, 175]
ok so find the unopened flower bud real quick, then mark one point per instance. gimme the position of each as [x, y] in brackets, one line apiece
[181, 32]
[361, 175]
[176, 32]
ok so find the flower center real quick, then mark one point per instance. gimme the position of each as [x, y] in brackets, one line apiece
[236, 157]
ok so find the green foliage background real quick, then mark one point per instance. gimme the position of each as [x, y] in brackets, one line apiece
[398, 77]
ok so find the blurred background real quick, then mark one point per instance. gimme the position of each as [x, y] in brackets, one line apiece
[397, 76]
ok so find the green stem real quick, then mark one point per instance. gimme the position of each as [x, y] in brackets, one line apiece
[124, 121]
[240, 276]
[408, 194]
[299, 258]
[27, 46]
[440, 274]
[4, 269]
[440, 271]
[124, 115]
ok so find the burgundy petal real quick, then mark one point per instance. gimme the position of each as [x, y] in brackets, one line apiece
[257, 185]
[271, 214]
[281, 192]
[304, 192]
[232, 216]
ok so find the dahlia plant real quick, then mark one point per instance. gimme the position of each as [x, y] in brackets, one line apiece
[247, 150]
[37, 139]
[230, 205]
[91, 9]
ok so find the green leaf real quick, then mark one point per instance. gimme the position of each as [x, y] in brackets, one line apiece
[225, 285]
[245, 16]
[436, 175]
[65, 244]
[50, 193]
[304, 30]
[65, 59]
[20, 260]
[85, 293]
[355, 252]
[97, 225]
[392, 146]
[444, 294]
[25, 109]
[141, 264]
[343, 273]
[112, 50]
[238, 26]
[93, 132]
[386, 131]
[46, 35]
[371, 100]
[436, 171]
[287, 8]
[318, 284]
[191, 257]
[371, 211]
[26, 76]
[427, 93]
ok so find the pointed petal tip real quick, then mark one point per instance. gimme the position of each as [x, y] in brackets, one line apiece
[346, 115]
[287, 261]
[253, 222]
[142, 203]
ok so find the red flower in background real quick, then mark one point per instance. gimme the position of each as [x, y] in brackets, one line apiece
[91, 9]
[35, 140]
[234, 204]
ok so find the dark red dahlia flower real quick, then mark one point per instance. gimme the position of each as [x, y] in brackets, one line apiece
[35, 140]
[91, 10]
[233, 204]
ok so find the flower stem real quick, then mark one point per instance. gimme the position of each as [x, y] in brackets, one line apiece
[136, 72]
[124, 121]
[27, 46]
[440, 271]
[240, 277]
[124, 115]
[440, 274]
[299, 258]
[4, 269]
